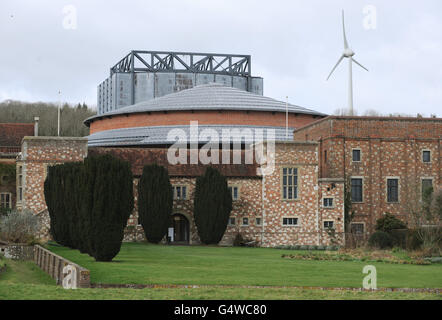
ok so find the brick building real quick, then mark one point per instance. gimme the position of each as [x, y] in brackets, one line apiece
[283, 208]
[385, 161]
[382, 163]
[11, 135]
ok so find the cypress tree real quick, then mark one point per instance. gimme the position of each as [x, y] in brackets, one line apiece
[89, 204]
[212, 206]
[155, 201]
[112, 206]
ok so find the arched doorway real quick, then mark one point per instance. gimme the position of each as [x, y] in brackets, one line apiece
[180, 226]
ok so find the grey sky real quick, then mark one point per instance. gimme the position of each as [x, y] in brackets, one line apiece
[294, 45]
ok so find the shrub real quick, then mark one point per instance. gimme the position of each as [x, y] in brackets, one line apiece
[212, 206]
[19, 227]
[381, 240]
[389, 222]
[89, 204]
[400, 237]
[155, 202]
[413, 240]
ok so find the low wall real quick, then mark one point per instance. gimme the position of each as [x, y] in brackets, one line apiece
[53, 265]
[17, 251]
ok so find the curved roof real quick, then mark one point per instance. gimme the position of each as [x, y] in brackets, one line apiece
[159, 135]
[213, 96]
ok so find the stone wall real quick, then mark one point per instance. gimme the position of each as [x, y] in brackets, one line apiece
[37, 154]
[53, 265]
[332, 188]
[17, 251]
[305, 208]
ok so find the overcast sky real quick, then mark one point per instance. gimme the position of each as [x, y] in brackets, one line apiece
[294, 45]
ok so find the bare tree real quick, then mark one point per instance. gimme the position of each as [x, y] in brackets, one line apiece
[425, 213]
[345, 112]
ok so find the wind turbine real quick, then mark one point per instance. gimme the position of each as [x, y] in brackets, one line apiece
[348, 53]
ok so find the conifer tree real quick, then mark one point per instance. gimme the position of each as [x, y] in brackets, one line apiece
[212, 206]
[89, 204]
[155, 201]
[112, 206]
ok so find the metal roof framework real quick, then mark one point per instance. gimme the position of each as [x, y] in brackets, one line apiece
[186, 62]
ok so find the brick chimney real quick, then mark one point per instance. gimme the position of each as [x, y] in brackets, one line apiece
[36, 119]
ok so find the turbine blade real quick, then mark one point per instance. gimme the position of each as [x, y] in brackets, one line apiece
[343, 29]
[359, 64]
[339, 61]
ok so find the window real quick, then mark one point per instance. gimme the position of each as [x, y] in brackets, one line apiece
[325, 155]
[20, 183]
[426, 184]
[232, 221]
[245, 221]
[5, 200]
[357, 228]
[328, 225]
[258, 221]
[290, 183]
[356, 190]
[426, 156]
[392, 190]
[180, 192]
[234, 190]
[289, 221]
[356, 155]
[328, 202]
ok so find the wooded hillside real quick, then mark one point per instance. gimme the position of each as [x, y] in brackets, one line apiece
[71, 117]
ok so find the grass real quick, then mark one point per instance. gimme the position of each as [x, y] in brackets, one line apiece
[23, 280]
[141, 263]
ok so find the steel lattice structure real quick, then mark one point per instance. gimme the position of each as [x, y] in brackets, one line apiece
[163, 61]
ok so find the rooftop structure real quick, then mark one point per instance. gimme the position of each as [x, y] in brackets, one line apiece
[145, 75]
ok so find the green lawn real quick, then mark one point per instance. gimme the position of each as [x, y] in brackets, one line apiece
[141, 263]
[23, 280]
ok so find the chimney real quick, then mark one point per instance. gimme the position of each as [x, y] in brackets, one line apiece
[36, 126]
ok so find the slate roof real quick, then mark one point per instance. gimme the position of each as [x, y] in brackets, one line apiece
[212, 96]
[159, 135]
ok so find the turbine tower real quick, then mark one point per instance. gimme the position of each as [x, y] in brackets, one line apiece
[348, 53]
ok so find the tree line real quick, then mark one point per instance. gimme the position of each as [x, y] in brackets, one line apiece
[71, 117]
[90, 202]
